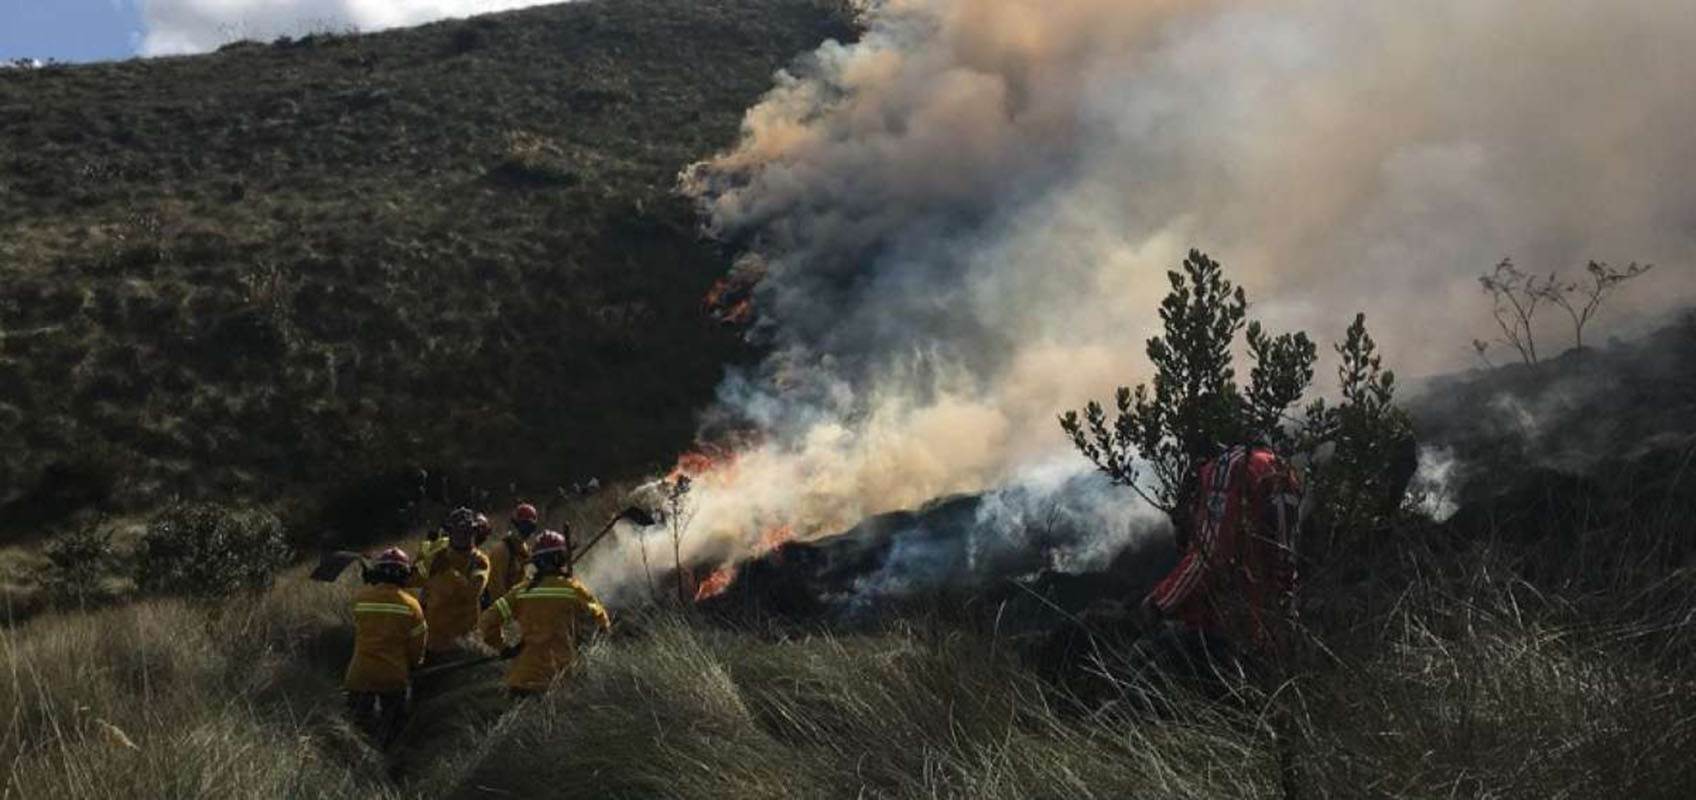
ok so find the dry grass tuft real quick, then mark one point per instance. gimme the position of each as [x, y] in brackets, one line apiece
[1460, 677]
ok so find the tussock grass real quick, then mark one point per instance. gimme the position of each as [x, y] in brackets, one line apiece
[1461, 678]
[688, 712]
[167, 699]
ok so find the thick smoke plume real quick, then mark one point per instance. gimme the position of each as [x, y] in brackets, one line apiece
[175, 27]
[964, 220]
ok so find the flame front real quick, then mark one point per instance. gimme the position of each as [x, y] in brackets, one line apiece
[708, 464]
[775, 537]
[731, 300]
[715, 584]
[720, 580]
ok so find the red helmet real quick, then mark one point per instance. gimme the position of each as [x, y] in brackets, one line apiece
[548, 543]
[525, 513]
[393, 556]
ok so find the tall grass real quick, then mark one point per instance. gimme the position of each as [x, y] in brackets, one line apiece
[166, 699]
[1466, 678]
[687, 712]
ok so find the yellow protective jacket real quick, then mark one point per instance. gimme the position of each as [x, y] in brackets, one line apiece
[452, 581]
[389, 633]
[507, 558]
[548, 612]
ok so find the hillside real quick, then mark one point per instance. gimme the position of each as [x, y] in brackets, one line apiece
[1615, 414]
[294, 264]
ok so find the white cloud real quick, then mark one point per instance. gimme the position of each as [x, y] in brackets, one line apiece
[174, 27]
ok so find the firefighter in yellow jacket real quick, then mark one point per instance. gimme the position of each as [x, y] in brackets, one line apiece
[549, 610]
[389, 634]
[508, 555]
[452, 579]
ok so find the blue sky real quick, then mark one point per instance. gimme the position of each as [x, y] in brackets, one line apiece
[94, 30]
[69, 30]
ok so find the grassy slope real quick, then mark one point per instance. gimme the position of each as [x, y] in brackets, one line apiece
[283, 264]
[1447, 677]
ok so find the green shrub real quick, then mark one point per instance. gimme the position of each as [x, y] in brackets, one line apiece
[1195, 402]
[1360, 489]
[77, 561]
[1195, 399]
[208, 550]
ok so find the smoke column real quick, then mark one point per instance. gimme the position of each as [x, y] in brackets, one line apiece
[964, 220]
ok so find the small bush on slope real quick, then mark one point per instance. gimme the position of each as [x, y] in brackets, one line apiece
[208, 550]
[78, 562]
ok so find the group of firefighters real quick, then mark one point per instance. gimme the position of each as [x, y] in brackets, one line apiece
[1227, 601]
[413, 611]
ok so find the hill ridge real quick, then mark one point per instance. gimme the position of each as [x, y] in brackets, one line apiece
[280, 266]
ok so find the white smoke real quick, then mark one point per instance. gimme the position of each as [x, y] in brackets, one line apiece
[1434, 489]
[174, 27]
[966, 218]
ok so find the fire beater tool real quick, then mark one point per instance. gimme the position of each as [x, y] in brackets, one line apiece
[454, 666]
[636, 515]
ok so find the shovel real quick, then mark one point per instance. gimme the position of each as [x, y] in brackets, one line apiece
[634, 514]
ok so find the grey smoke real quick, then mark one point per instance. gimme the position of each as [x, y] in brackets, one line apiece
[1052, 520]
[965, 218]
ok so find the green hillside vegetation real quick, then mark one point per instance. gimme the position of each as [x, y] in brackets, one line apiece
[289, 265]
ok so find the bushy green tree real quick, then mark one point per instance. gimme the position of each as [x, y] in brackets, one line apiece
[207, 550]
[1359, 486]
[1193, 401]
[1194, 398]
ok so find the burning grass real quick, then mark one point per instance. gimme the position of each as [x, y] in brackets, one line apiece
[1452, 675]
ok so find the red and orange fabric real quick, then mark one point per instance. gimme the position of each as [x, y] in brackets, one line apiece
[1237, 575]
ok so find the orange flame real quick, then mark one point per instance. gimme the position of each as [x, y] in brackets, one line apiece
[774, 537]
[730, 300]
[719, 581]
[716, 294]
[715, 584]
[708, 462]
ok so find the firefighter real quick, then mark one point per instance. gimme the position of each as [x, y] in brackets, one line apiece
[1232, 592]
[452, 578]
[508, 556]
[389, 634]
[549, 610]
[484, 529]
[434, 542]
